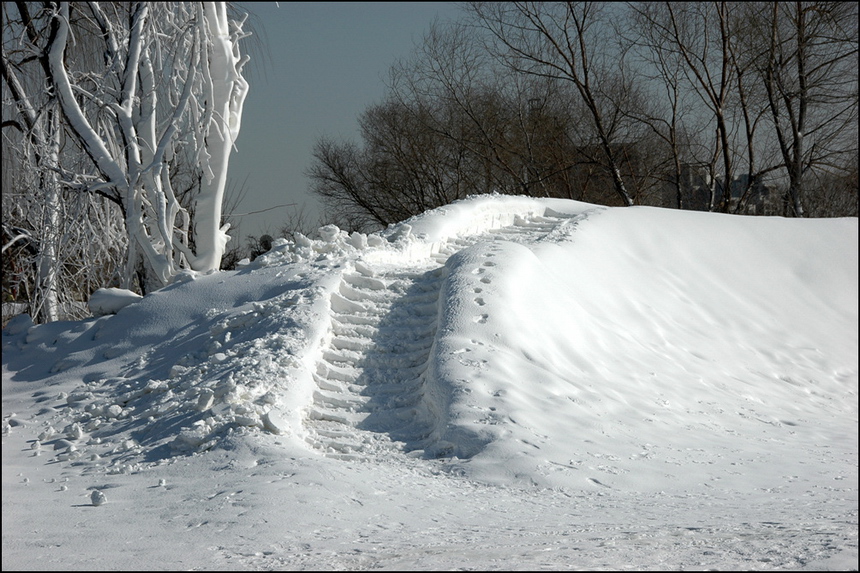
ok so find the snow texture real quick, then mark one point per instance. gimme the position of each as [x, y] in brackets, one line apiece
[502, 383]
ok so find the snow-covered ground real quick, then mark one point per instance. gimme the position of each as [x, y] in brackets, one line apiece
[503, 383]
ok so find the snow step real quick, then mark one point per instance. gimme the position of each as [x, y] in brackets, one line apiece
[357, 295]
[341, 373]
[554, 221]
[341, 304]
[363, 281]
[371, 390]
[364, 270]
[328, 384]
[353, 330]
[347, 401]
[358, 319]
[352, 343]
[338, 357]
[340, 416]
[374, 359]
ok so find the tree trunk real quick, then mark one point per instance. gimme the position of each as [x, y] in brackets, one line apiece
[228, 90]
[47, 260]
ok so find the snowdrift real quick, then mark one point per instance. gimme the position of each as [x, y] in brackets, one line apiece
[648, 349]
[511, 340]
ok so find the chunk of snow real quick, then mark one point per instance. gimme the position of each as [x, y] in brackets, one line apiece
[21, 323]
[274, 421]
[111, 300]
[97, 497]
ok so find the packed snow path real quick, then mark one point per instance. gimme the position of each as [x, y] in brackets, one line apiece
[372, 393]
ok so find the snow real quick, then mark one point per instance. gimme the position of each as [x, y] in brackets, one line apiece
[110, 300]
[502, 383]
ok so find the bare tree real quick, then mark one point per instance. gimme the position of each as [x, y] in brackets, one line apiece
[475, 107]
[668, 112]
[833, 193]
[809, 70]
[695, 36]
[338, 178]
[75, 241]
[561, 100]
[34, 201]
[458, 121]
[519, 132]
[563, 41]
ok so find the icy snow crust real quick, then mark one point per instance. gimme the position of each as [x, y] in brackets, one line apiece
[514, 342]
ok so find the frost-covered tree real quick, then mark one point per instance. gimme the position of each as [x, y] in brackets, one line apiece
[57, 245]
[167, 89]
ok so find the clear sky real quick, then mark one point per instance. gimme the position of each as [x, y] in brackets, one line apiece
[325, 63]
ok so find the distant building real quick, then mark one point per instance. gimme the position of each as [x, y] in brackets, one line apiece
[696, 187]
[760, 199]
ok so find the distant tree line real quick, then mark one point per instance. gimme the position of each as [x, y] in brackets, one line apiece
[747, 107]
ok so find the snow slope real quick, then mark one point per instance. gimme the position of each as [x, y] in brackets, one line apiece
[500, 383]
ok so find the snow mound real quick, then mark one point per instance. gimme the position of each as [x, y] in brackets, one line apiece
[514, 339]
[644, 348]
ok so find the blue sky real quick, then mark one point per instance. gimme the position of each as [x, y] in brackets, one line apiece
[326, 62]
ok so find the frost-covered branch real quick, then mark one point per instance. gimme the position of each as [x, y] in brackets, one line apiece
[171, 83]
[75, 117]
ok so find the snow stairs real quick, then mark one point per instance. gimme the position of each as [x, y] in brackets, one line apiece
[372, 394]
[371, 388]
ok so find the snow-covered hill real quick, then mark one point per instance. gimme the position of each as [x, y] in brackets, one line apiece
[449, 393]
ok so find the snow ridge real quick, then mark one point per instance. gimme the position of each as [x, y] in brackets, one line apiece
[373, 391]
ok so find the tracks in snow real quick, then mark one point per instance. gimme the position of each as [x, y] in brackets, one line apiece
[371, 378]
[372, 392]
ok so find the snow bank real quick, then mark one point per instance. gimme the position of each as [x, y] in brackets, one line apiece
[563, 344]
[647, 337]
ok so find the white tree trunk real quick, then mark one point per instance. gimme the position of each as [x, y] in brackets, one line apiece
[226, 90]
[48, 263]
[126, 179]
[47, 148]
